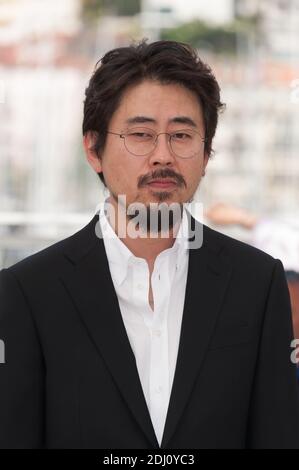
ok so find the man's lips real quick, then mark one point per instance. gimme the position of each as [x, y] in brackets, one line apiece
[162, 183]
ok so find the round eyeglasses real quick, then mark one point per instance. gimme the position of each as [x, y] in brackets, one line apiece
[141, 141]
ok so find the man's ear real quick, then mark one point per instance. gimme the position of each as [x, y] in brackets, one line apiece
[93, 158]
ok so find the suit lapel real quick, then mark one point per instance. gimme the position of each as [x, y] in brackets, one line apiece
[90, 285]
[207, 282]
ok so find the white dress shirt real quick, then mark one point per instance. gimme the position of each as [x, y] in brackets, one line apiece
[153, 335]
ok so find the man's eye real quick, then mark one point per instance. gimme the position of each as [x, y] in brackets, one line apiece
[181, 136]
[141, 135]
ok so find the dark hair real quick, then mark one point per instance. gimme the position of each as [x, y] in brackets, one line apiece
[165, 61]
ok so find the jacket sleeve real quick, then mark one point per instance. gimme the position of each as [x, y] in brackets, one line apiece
[274, 413]
[21, 372]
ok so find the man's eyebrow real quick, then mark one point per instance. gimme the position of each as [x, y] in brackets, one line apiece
[140, 120]
[183, 120]
[177, 119]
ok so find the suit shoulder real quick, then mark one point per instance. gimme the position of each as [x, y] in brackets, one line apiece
[49, 257]
[45, 257]
[237, 250]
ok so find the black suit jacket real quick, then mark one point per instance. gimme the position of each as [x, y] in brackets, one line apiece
[70, 378]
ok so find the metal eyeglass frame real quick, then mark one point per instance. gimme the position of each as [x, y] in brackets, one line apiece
[170, 134]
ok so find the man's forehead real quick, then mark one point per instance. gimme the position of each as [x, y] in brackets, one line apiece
[142, 109]
[153, 93]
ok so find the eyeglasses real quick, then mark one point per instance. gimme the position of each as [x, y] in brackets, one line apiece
[141, 141]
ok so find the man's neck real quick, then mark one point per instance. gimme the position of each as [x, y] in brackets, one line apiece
[145, 246]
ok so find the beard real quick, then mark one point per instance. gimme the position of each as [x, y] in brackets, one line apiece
[156, 220]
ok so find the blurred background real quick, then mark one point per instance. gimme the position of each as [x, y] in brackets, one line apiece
[48, 50]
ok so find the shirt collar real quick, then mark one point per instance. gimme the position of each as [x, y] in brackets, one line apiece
[119, 255]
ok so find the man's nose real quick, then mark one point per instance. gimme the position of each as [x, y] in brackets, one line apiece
[162, 151]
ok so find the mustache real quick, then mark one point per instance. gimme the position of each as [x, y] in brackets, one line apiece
[163, 174]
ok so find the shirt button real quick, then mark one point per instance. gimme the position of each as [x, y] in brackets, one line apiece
[139, 286]
[158, 389]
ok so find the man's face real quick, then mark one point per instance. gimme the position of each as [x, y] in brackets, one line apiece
[129, 175]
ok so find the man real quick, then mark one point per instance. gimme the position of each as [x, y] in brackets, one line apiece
[121, 341]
